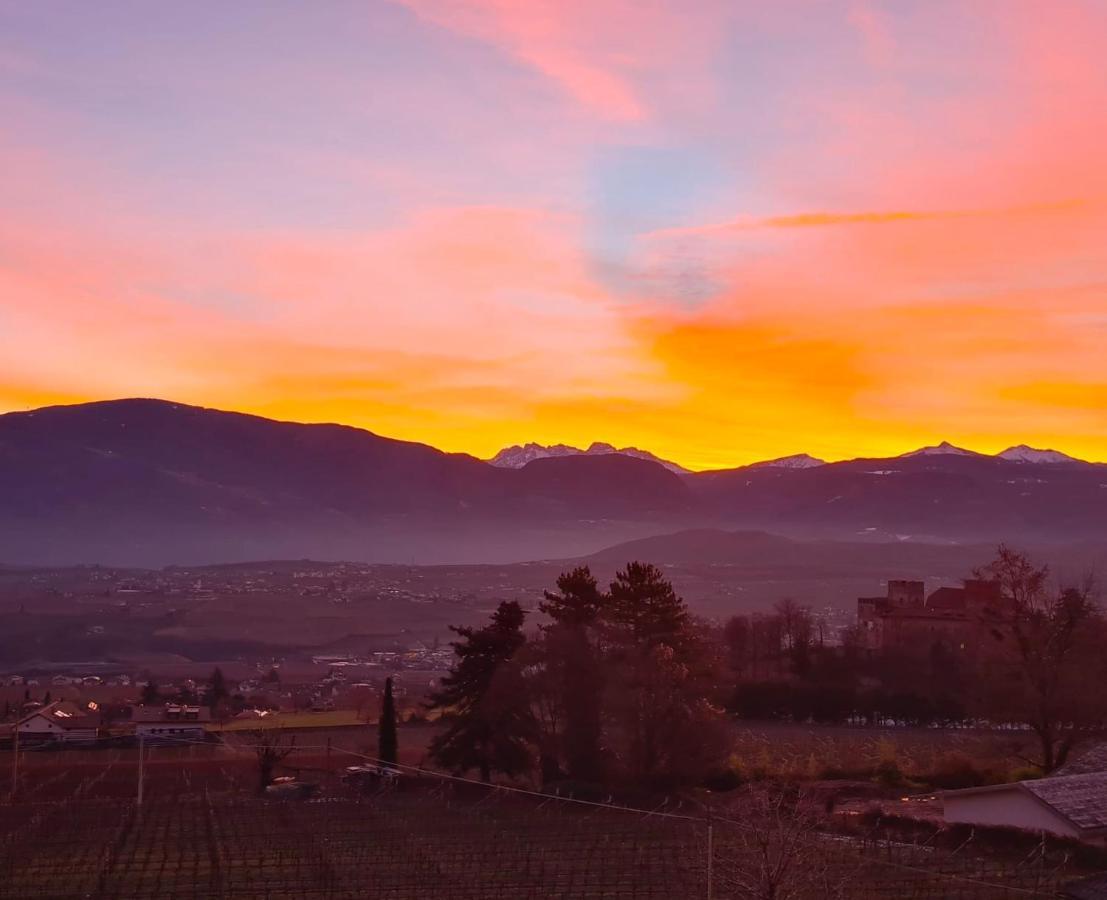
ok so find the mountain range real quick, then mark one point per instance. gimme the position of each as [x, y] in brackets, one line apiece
[149, 482]
[517, 456]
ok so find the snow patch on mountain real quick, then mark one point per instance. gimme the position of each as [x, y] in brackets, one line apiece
[518, 456]
[796, 461]
[1024, 454]
[943, 449]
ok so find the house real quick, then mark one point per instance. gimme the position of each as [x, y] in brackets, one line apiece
[1073, 806]
[170, 722]
[61, 721]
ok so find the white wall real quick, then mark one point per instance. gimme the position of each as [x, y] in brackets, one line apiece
[1012, 807]
[170, 730]
[40, 726]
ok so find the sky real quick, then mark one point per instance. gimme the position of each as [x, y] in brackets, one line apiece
[722, 231]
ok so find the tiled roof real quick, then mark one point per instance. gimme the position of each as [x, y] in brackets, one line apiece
[1093, 759]
[1082, 799]
[65, 715]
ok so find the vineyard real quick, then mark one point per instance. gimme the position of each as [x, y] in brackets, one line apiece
[77, 832]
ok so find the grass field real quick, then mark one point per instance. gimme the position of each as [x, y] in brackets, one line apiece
[337, 718]
[765, 749]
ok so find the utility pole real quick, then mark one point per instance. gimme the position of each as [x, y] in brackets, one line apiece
[15, 760]
[710, 860]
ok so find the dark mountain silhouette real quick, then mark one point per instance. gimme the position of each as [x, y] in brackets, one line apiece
[932, 497]
[148, 481]
[151, 482]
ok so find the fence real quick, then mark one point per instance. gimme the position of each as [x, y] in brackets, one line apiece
[200, 834]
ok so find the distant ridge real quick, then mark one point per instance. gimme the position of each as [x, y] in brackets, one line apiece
[1025, 454]
[150, 482]
[943, 449]
[520, 455]
[797, 461]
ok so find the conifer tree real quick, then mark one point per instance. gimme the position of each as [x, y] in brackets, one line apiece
[646, 609]
[485, 697]
[387, 742]
[572, 661]
[150, 694]
[217, 692]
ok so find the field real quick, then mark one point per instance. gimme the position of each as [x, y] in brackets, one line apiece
[75, 830]
[829, 752]
[423, 842]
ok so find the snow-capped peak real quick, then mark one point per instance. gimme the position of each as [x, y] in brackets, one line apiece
[1025, 454]
[797, 461]
[518, 456]
[943, 449]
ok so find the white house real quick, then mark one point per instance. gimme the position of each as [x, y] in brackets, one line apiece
[60, 721]
[171, 722]
[1073, 806]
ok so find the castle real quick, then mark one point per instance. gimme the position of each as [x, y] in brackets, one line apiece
[908, 621]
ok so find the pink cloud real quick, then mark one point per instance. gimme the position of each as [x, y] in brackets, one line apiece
[597, 52]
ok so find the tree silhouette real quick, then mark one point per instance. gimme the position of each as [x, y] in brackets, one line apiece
[387, 742]
[645, 607]
[270, 748]
[485, 698]
[150, 695]
[217, 692]
[572, 666]
[1047, 650]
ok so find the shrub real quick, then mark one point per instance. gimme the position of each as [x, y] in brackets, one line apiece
[955, 770]
[888, 774]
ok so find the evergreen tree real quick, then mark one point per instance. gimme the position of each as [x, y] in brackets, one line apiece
[645, 610]
[7, 710]
[657, 699]
[579, 601]
[485, 697]
[150, 695]
[217, 692]
[387, 747]
[571, 658]
[48, 699]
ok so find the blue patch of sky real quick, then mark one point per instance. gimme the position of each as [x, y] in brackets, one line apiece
[637, 189]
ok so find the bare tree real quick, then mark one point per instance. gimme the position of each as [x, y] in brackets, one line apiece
[1048, 657]
[776, 852]
[271, 747]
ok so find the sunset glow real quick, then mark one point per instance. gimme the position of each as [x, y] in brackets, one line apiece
[720, 231]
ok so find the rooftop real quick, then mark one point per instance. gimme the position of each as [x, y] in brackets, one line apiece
[1082, 799]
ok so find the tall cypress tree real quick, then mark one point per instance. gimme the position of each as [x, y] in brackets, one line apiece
[150, 694]
[387, 746]
[217, 689]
